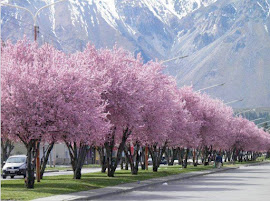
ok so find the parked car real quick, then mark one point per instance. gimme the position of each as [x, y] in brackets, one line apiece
[15, 165]
[163, 161]
[150, 162]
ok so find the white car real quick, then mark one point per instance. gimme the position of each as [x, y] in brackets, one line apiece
[15, 165]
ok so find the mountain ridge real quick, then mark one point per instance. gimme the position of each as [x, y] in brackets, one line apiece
[226, 41]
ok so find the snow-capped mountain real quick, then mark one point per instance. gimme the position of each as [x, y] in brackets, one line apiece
[227, 41]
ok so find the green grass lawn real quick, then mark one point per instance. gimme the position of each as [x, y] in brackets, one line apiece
[15, 189]
[236, 163]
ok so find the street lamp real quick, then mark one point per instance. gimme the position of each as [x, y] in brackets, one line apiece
[256, 119]
[217, 85]
[245, 111]
[179, 57]
[34, 16]
[262, 123]
[234, 101]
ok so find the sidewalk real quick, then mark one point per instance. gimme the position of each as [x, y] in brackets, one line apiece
[102, 192]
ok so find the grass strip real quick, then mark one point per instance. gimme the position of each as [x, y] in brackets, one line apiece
[55, 185]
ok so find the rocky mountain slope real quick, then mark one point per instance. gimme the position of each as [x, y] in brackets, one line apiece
[227, 41]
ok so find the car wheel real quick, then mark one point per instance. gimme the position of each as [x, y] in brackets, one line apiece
[11, 177]
[4, 177]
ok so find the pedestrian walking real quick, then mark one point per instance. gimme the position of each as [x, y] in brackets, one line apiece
[218, 161]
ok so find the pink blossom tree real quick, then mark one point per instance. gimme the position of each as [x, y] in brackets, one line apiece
[26, 95]
[83, 82]
[121, 95]
[160, 104]
[45, 96]
[212, 115]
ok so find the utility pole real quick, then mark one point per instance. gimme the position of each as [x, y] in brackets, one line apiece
[36, 32]
[146, 157]
[38, 162]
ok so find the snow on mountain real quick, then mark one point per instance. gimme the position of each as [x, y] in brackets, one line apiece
[227, 41]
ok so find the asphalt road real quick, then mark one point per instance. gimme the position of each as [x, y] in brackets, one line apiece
[243, 184]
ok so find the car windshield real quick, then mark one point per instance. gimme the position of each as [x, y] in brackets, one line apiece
[16, 160]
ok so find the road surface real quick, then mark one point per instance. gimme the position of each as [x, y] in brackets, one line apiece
[243, 184]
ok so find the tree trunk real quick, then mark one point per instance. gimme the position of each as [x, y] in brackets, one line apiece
[133, 159]
[234, 155]
[156, 154]
[126, 163]
[240, 156]
[30, 175]
[225, 156]
[122, 163]
[194, 157]
[198, 155]
[77, 158]
[4, 155]
[142, 158]
[109, 160]
[171, 159]
[180, 156]
[81, 158]
[6, 147]
[102, 159]
[109, 145]
[268, 154]
[129, 157]
[45, 159]
[168, 155]
[206, 156]
[137, 159]
[186, 158]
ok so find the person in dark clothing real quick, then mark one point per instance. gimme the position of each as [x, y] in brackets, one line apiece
[218, 160]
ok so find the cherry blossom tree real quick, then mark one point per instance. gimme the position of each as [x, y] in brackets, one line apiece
[160, 104]
[111, 100]
[212, 115]
[118, 75]
[44, 96]
[84, 82]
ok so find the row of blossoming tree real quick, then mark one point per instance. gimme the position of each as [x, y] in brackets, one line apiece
[113, 101]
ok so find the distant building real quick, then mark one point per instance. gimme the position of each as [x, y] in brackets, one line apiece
[59, 154]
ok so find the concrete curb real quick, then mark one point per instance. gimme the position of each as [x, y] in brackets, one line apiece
[58, 170]
[255, 164]
[123, 188]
